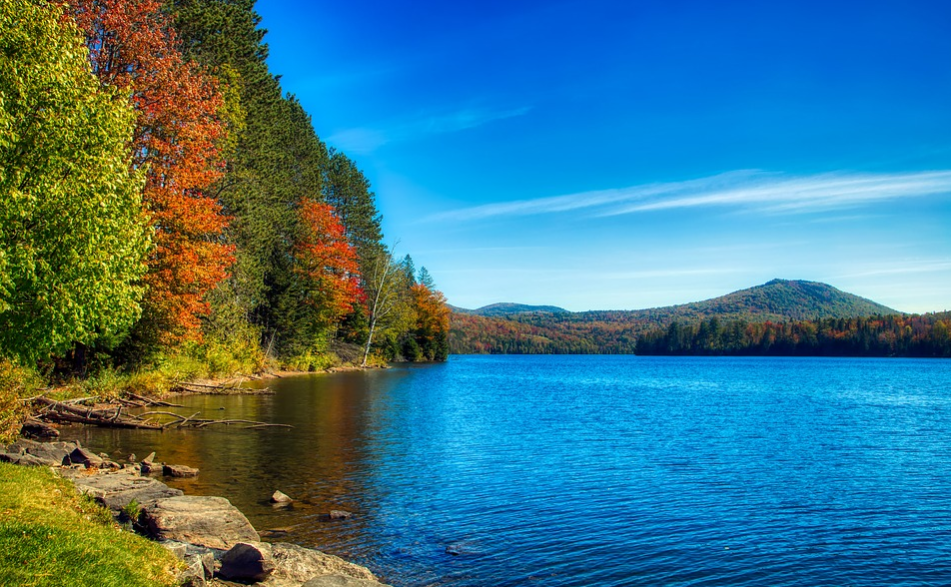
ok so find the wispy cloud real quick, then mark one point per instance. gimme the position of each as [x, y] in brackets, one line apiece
[746, 189]
[905, 268]
[366, 140]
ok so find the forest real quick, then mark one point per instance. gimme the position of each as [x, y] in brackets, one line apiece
[780, 317]
[164, 203]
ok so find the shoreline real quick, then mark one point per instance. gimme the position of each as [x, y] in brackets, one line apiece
[213, 538]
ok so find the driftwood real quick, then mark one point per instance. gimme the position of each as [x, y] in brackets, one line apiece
[211, 389]
[54, 411]
[112, 417]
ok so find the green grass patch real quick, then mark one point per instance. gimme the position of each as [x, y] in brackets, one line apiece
[50, 536]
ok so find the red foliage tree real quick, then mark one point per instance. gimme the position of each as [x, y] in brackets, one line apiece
[132, 46]
[326, 263]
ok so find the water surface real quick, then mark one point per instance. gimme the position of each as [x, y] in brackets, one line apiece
[571, 471]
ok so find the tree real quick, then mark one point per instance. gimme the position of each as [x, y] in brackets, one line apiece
[432, 322]
[348, 191]
[388, 304]
[327, 279]
[72, 234]
[133, 47]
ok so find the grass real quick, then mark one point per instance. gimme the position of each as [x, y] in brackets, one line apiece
[51, 536]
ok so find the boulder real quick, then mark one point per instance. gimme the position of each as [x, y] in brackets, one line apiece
[339, 514]
[247, 562]
[52, 453]
[81, 456]
[205, 521]
[295, 565]
[27, 459]
[280, 497]
[179, 471]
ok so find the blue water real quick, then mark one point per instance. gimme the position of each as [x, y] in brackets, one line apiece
[570, 471]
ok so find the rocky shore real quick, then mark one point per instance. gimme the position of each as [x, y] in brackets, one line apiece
[215, 540]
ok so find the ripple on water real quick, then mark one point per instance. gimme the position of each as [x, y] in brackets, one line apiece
[610, 471]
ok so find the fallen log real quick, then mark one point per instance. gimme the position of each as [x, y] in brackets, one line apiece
[112, 417]
[54, 416]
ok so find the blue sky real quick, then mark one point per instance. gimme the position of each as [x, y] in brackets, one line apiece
[624, 155]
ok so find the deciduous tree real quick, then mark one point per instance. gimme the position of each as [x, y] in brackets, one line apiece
[72, 233]
[133, 47]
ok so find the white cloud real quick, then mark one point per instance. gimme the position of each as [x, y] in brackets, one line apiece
[367, 140]
[746, 189]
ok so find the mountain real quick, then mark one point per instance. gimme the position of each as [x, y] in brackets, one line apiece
[515, 328]
[509, 309]
[776, 300]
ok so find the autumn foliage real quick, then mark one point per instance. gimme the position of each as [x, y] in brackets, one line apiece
[134, 48]
[326, 263]
[432, 322]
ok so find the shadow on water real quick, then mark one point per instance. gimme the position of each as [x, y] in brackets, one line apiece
[321, 462]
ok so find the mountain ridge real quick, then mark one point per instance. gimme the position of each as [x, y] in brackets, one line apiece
[617, 331]
[817, 289]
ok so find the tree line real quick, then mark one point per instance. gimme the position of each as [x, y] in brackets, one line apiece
[160, 195]
[926, 335]
[898, 335]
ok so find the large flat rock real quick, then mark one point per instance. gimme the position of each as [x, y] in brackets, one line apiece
[341, 581]
[45, 453]
[117, 490]
[294, 565]
[206, 521]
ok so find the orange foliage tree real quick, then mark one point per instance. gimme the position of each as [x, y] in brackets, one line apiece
[432, 322]
[133, 47]
[326, 264]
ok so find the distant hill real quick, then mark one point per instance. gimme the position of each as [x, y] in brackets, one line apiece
[776, 300]
[509, 309]
[521, 329]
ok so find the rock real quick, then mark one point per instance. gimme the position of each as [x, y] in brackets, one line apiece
[340, 581]
[208, 564]
[194, 573]
[340, 514]
[104, 455]
[131, 458]
[27, 459]
[81, 456]
[176, 548]
[179, 471]
[148, 467]
[35, 429]
[206, 521]
[247, 562]
[280, 497]
[52, 452]
[149, 458]
[296, 564]
[116, 490]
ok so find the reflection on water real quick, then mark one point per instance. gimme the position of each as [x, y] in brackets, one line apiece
[608, 471]
[321, 462]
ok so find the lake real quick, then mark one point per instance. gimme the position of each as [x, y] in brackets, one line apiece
[572, 471]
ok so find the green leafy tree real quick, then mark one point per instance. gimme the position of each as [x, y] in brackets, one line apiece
[73, 238]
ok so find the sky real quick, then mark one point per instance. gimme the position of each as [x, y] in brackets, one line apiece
[619, 155]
